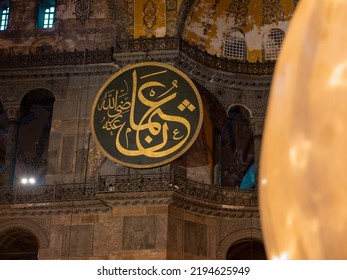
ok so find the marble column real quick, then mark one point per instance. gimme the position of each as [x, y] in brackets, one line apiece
[12, 111]
[257, 124]
[216, 157]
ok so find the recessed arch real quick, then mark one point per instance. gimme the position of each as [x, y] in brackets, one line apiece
[246, 249]
[18, 244]
[236, 147]
[36, 113]
[245, 111]
[246, 233]
[27, 225]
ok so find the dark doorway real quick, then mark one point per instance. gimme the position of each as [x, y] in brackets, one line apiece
[18, 244]
[247, 250]
[237, 147]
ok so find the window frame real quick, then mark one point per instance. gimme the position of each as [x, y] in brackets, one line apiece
[272, 46]
[4, 15]
[235, 46]
[46, 19]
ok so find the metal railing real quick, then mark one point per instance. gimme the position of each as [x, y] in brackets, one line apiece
[127, 183]
[147, 44]
[47, 193]
[56, 58]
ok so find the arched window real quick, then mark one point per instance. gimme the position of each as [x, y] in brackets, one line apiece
[4, 14]
[237, 148]
[235, 45]
[33, 136]
[273, 44]
[46, 14]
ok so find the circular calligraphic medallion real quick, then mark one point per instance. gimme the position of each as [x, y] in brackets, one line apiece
[146, 115]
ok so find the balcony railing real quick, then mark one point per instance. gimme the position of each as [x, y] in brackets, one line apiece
[57, 58]
[145, 45]
[127, 183]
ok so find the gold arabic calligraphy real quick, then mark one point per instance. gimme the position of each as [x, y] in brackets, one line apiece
[153, 132]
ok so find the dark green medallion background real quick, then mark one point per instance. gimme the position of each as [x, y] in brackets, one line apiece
[166, 120]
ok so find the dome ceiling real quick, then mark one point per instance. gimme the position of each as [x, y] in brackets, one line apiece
[210, 21]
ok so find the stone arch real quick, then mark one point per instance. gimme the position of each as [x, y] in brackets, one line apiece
[183, 12]
[29, 225]
[56, 88]
[253, 233]
[42, 45]
[4, 48]
[248, 112]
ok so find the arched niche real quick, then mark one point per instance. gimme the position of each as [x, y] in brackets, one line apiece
[246, 249]
[236, 147]
[34, 130]
[18, 244]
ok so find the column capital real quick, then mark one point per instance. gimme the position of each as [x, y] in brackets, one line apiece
[12, 110]
[257, 125]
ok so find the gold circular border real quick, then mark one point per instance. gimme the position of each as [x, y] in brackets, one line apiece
[127, 68]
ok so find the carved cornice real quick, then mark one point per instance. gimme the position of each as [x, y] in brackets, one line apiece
[57, 58]
[206, 208]
[54, 208]
[222, 79]
[136, 199]
[56, 72]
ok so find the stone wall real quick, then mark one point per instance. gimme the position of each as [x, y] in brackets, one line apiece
[123, 233]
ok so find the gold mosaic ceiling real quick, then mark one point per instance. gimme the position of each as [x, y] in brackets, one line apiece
[209, 21]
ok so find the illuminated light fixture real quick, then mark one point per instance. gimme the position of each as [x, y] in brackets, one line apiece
[303, 207]
[28, 181]
[24, 181]
[32, 181]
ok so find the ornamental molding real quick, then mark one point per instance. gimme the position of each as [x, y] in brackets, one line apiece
[14, 91]
[55, 208]
[190, 204]
[55, 75]
[136, 199]
[183, 13]
[83, 10]
[239, 10]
